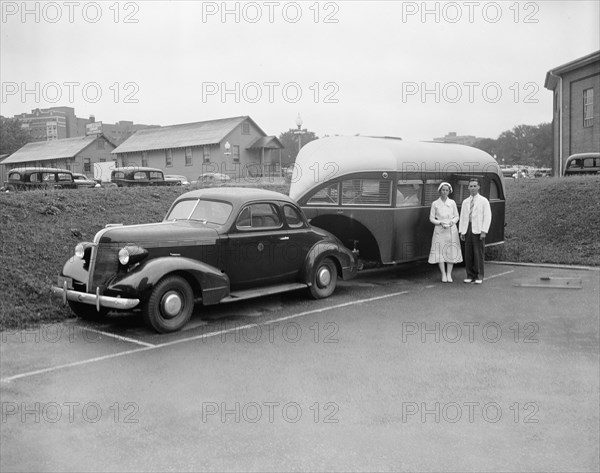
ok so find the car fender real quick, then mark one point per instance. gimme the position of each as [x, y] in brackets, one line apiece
[319, 251]
[141, 280]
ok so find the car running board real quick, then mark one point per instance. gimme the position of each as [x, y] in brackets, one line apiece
[262, 291]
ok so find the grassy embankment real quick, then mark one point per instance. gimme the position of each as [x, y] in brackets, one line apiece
[548, 221]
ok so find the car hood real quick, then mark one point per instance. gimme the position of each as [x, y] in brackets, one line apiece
[152, 234]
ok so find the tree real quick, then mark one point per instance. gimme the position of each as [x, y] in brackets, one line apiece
[525, 144]
[290, 141]
[12, 136]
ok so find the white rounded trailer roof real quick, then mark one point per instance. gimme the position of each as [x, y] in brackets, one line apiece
[332, 157]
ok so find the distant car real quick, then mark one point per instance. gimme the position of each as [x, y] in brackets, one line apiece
[215, 245]
[81, 180]
[31, 178]
[582, 163]
[177, 180]
[133, 176]
[213, 178]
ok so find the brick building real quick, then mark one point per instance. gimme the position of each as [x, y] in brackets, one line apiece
[54, 123]
[576, 110]
[57, 123]
[234, 146]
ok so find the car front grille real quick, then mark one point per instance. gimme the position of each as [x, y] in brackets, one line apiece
[104, 265]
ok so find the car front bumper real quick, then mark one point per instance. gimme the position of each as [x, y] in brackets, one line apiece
[93, 299]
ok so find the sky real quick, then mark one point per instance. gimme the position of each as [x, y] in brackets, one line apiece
[416, 70]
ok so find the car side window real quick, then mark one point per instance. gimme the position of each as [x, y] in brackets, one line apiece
[139, 176]
[258, 216]
[292, 217]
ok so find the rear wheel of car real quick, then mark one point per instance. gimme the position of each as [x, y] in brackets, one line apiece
[170, 305]
[324, 279]
[87, 311]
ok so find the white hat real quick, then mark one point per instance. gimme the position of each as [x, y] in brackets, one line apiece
[445, 184]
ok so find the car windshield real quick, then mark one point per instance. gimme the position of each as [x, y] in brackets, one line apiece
[208, 211]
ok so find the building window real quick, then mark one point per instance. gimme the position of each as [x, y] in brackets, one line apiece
[206, 154]
[245, 128]
[188, 156]
[588, 108]
[100, 144]
[87, 165]
[145, 159]
[169, 158]
[236, 153]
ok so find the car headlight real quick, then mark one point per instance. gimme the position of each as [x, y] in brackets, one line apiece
[82, 250]
[123, 256]
[79, 251]
[131, 254]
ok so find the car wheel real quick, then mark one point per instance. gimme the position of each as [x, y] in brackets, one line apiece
[87, 311]
[324, 279]
[170, 305]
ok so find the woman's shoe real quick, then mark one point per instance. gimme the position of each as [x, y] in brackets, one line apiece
[449, 278]
[444, 278]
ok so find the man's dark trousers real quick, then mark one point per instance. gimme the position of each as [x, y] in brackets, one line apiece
[474, 254]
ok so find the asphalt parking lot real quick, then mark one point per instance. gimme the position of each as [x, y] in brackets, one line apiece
[395, 372]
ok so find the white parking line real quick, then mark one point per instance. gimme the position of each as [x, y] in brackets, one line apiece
[500, 274]
[118, 337]
[190, 339]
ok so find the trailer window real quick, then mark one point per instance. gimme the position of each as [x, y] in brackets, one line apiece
[366, 192]
[408, 193]
[494, 193]
[431, 191]
[325, 196]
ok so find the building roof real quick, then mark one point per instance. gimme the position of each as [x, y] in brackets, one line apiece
[552, 80]
[51, 150]
[180, 136]
[270, 142]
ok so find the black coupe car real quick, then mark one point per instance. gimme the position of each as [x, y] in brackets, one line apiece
[215, 245]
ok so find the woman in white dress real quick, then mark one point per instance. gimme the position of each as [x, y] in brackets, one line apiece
[445, 244]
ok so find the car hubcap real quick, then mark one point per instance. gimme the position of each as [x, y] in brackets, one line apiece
[171, 304]
[323, 276]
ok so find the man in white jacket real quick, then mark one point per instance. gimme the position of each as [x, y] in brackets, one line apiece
[475, 220]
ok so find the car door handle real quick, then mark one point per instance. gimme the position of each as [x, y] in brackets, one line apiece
[285, 238]
[340, 212]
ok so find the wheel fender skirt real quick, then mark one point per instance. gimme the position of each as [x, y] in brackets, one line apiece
[213, 282]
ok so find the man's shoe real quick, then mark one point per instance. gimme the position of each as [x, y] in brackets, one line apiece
[468, 280]
[478, 281]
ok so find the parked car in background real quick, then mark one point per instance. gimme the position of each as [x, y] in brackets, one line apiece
[582, 163]
[212, 178]
[138, 176]
[215, 245]
[177, 180]
[30, 178]
[81, 180]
